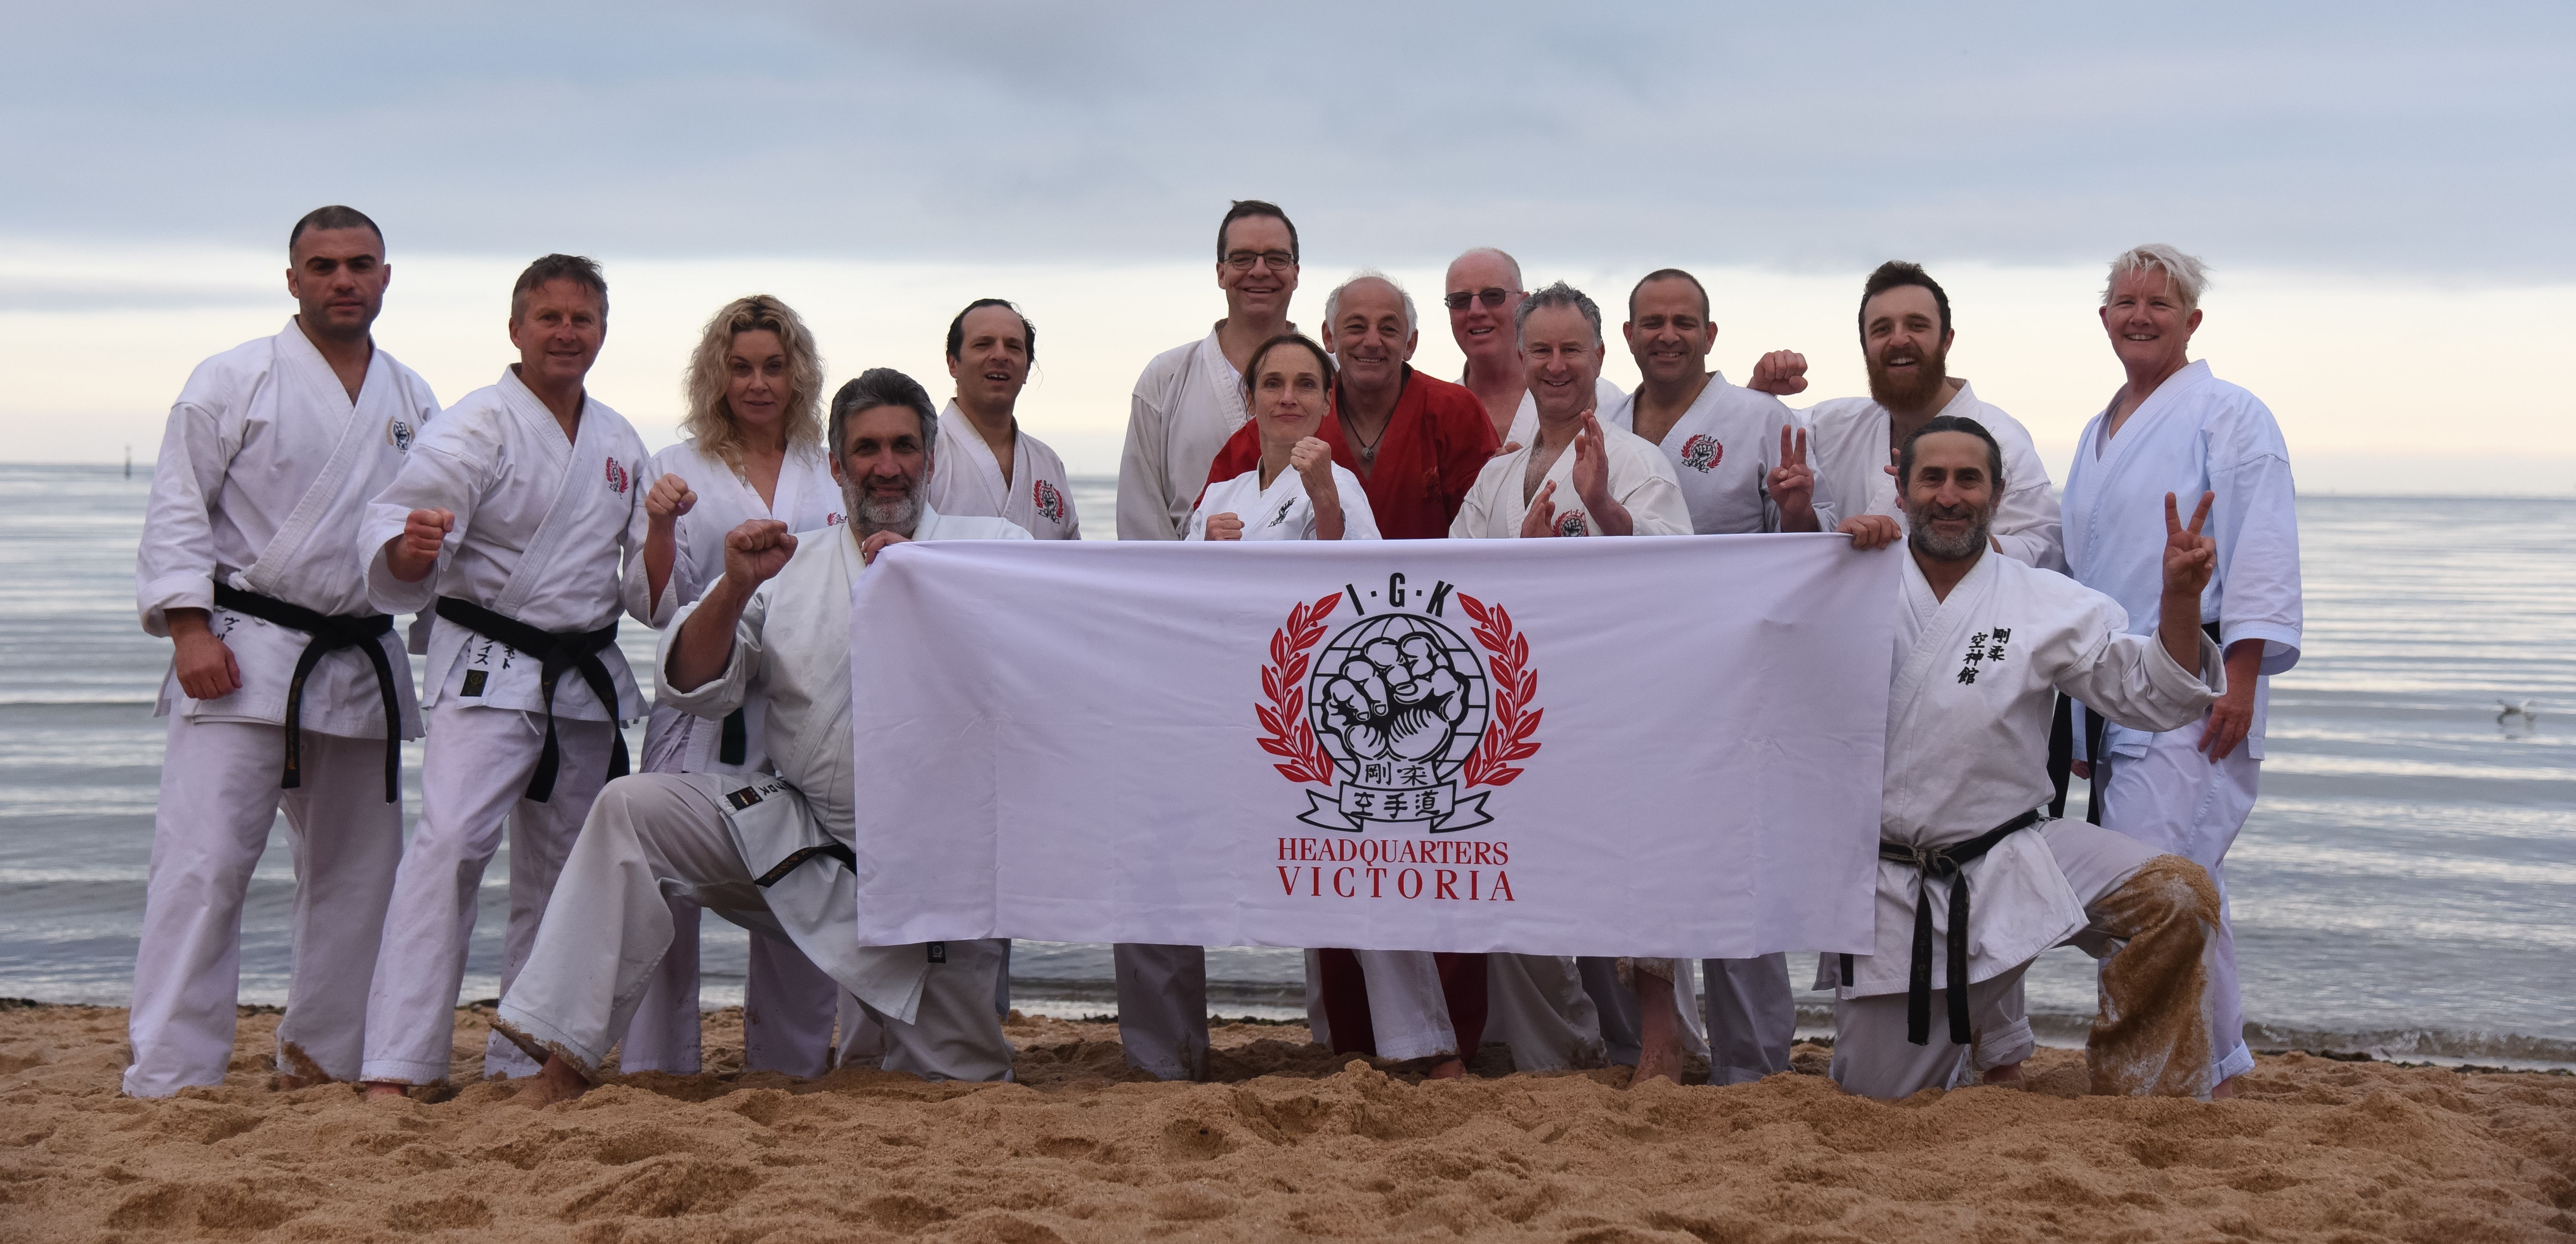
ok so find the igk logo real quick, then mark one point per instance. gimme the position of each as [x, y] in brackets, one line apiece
[1571, 524]
[1702, 453]
[616, 478]
[1398, 715]
[1050, 504]
[398, 433]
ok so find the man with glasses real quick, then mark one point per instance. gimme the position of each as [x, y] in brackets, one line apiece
[1190, 398]
[1483, 293]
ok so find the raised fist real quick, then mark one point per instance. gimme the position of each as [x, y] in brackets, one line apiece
[1396, 697]
[411, 555]
[756, 551]
[669, 499]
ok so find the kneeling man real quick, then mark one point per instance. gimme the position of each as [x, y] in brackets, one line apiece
[771, 855]
[1982, 644]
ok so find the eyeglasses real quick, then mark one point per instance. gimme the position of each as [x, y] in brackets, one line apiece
[1492, 296]
[1241, 261]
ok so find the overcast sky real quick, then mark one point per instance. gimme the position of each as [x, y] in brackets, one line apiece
[2429, 147]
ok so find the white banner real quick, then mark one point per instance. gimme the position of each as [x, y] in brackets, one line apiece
[1652, 746]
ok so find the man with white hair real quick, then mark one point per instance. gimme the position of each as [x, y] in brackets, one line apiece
[1577, 477]
[1905, 338]
[2175, 427]
[772, 855]
[1483, 293]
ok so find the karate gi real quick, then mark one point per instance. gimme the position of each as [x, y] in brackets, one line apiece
[969, 481]
[1524, 430]
[549, 533]
[1186, 403]
[1640, 479]
[717, 838]
[264, 467]
[1723, 450]
[789, 1005]
[2196, 433]
[1968, 714]
[1847, 445]
[1282, 511]
[1434, 442]
[1538, 1004]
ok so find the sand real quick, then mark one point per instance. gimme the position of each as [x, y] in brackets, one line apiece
[1290, 1143]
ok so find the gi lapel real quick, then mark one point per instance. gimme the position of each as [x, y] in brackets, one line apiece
[1222, 381]
[306, 377]
[1941, 633]
[563, 513]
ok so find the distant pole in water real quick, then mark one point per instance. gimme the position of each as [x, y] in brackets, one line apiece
[129, 462]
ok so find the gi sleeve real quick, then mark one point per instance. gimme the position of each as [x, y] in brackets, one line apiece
[441, 473]
[726, 692]
[1144, 511]
[1475, 513]
[634, 587]
[174, 566]
[1654, 502]
[2131, 679]
[2029, 526]
[2255, 521]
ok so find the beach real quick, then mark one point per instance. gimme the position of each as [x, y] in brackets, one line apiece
[1286, 1141]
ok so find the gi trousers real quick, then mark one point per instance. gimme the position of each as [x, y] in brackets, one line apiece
[2174, 800]
[472, 776]
[219, 798]
[1752, 1017]
[1399, 1004]
[1537, 1006]
[788, 1006]
[2153, 915]
[1162, 1008]
[653, 836]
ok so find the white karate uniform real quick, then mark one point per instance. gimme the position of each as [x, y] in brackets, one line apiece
[1188, 401]
[2196, 433]
[709, 835]
[1282, 511]
[1847, 446]
[1640, 479]
[968, 481]
[1973, 691]
[1524, 429]
[1723, 450]
[788, 1003]
[264, 467]
[549, 532]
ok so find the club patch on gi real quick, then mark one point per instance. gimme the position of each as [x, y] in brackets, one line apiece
[616, 477]
[398, 433]
[1050, 504]
[1702, 453]
[1572, 524]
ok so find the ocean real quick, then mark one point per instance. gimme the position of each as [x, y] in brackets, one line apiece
[2406, 887]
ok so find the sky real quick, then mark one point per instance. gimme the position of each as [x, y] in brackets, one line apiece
[2382, 190]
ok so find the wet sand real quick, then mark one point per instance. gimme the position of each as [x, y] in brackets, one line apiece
[1289, 1142]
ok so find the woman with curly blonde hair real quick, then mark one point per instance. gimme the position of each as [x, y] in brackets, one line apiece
[754, 389]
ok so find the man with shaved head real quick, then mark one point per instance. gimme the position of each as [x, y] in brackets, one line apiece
[1483, 293]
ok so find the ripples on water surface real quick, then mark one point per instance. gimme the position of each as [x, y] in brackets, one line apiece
[2407, 884]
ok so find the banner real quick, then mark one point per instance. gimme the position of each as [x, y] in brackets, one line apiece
[1645, 746]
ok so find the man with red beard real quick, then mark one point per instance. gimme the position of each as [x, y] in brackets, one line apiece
[1416, 443]
[1905, 338]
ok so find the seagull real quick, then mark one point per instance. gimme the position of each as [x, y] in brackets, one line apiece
[2513, 711]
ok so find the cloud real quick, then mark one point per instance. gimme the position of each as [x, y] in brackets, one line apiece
[2361, 137]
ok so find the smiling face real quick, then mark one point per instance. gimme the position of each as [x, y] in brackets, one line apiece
[1668, 331]
[2149, 329]
[1258, 269]
[756, 384]
[992, 361]
[1560, 359]
[1288, 396]
[338, 277]
[1484, 332]
[559, 329]
[881, 466]
[1368, 336]
[1949, 496]
[1905, 347]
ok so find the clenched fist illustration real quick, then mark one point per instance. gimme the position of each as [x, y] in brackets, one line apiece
[1396, 697]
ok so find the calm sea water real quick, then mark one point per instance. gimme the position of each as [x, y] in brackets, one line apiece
[2406, 886]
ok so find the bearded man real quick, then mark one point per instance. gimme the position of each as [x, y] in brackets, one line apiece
[771, 855]
[1905, 339]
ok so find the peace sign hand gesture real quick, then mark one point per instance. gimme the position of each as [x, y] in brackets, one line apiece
[1792, 484]
[2190, 557]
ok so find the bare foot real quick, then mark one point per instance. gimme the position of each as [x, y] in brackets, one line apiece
[1448, 1069]
[386, 1088]
[2225, 1090]
[1660, 1044]
[555, 1081]
[2009, 1073]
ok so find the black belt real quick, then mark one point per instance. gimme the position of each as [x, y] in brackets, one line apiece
[1930, 862]
[330, 634]
[572, 650]
[796, 859]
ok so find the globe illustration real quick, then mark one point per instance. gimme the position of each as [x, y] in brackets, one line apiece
[1402, 694]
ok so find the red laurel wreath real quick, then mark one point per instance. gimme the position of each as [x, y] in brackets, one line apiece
[1284, 682]
[1510, 734]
